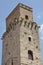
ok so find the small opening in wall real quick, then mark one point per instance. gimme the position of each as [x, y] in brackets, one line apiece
[30, 55]
[26, 16]
[29, 38]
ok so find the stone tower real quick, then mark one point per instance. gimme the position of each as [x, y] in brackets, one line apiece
[21, 41]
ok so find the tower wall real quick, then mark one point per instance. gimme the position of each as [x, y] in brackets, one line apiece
[11, 47]
[33, 45]
[21, 40]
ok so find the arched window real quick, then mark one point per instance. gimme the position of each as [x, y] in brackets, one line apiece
[30, 55]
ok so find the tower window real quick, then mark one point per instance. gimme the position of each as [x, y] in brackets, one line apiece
[30, 54]
[26, 16]
[29, 38]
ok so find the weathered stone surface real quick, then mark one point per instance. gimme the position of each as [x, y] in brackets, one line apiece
[21, 36]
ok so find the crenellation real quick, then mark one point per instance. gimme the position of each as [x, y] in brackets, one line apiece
[31, 25]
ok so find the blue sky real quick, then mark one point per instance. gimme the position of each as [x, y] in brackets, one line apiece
[6, 6]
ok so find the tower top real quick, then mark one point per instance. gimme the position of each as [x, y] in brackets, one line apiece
[22, 6]
[20, 11]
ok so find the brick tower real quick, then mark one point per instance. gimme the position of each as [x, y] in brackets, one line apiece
[21, 41]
